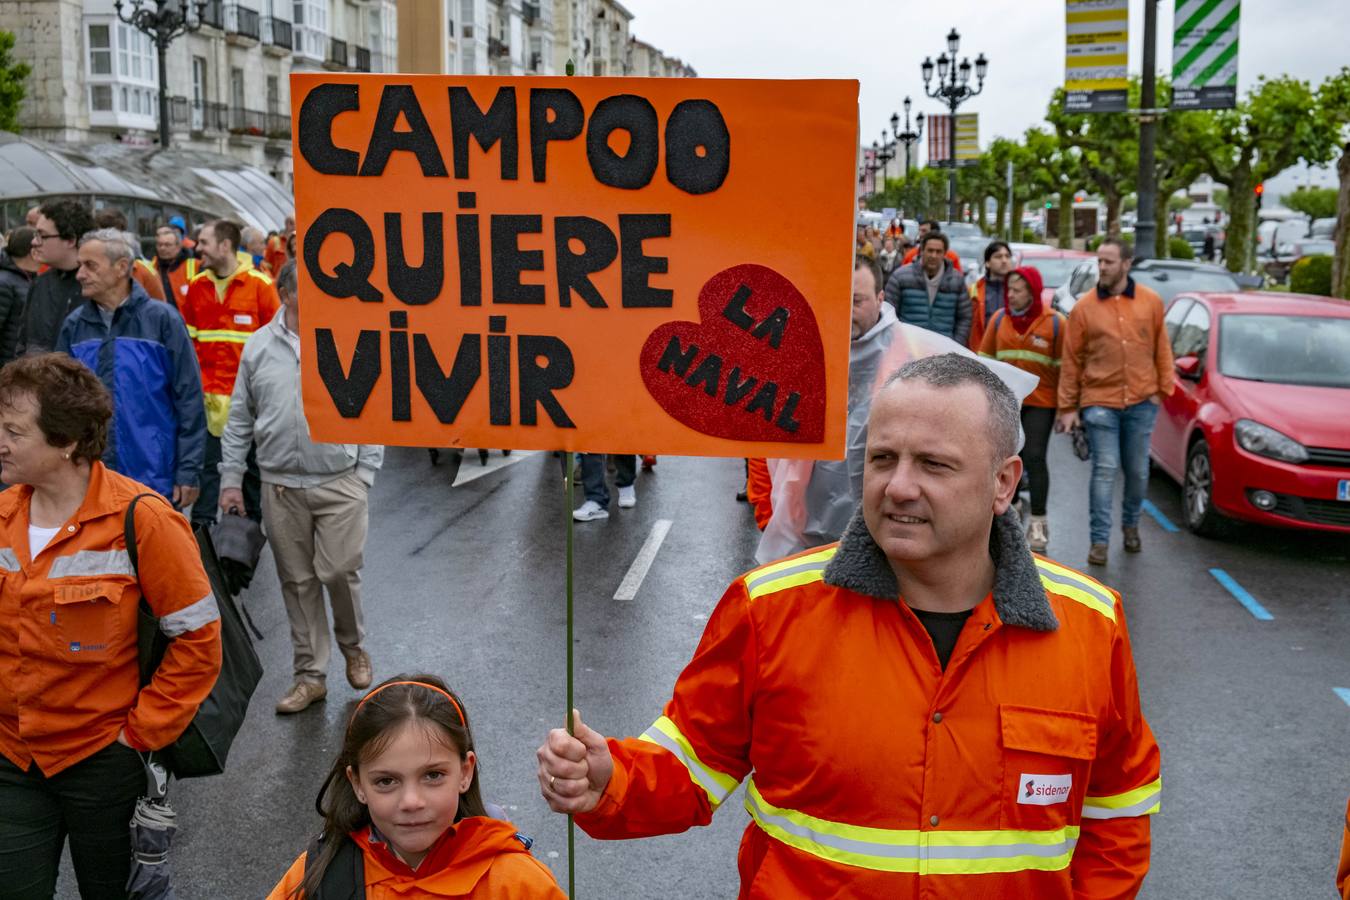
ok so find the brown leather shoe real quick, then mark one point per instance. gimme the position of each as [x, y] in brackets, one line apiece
[1132, 544]
[300, 696]
[359, 670]
[1097, 555]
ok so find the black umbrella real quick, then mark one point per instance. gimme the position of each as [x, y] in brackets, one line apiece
[152, 828]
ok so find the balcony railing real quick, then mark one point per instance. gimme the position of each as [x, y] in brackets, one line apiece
[211, 14]
[278, 126]
[362, 59]
[247, 121]
[242, 21]
[197, 116]
[497, 47]
[278, 33]
[530, 12]
[337, 52]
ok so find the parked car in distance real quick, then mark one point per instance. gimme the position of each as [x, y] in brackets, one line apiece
[971, 251]
[961, 229]
[1322, 228]
[1252, 431]
[1169, 277]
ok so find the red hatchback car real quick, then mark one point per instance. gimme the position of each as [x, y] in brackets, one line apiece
[1258, 427]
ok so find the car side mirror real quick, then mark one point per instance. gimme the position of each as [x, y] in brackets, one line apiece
[1188, 367]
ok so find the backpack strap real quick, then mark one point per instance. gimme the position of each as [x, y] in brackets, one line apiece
[997, 320]
[345, 877]
[1055, 316]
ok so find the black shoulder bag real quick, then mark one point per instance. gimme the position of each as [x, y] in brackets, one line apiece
[202, 748]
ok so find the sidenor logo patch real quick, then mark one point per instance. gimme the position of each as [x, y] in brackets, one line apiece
[1044, 790]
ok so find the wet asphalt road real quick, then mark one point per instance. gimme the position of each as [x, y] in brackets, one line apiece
[467, 582]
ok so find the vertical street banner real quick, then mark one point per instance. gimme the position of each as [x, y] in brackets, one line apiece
[939, 140]
[580, 264]
[1096, 55]
[967, 139]
[1205, 54]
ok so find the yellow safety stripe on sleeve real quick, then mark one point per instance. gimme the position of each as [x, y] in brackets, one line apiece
[219, 336]
[1029, 356]
[911, 851]
[260, 275]
[986, 355]
[1076, 587]
[192, 332]
[1144, 801]
[788, 573]
[717, 785]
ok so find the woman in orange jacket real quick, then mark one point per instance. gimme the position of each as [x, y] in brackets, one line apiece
[73, 711]
[1029, 336]
[402, 810]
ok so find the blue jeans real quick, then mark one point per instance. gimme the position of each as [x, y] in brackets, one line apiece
[593, 475]
[1119, 440]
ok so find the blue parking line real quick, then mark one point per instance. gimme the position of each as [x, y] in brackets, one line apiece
[1240, 594]
[1158, 517]
[1344, 694]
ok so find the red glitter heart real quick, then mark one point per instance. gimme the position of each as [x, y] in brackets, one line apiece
[752, 368]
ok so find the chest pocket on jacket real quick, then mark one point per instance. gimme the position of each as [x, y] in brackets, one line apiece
[1047, 757]
[88, 620]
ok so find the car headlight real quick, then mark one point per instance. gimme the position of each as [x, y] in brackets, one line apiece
[1266, 441]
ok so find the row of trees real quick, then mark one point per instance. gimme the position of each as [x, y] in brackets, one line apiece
[1279, 122]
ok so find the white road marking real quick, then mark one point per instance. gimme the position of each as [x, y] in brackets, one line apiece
[628, 588]
[470, 468]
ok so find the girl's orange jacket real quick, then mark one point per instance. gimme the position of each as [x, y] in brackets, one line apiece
[483, 858]
[69, 667]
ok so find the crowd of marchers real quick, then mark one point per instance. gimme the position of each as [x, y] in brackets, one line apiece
[1000, 748]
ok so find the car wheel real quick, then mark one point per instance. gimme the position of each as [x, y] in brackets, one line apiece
[1198, 493]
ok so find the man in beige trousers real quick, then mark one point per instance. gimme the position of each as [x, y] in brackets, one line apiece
[314, 502]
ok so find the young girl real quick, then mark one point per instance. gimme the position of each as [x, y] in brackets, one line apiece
[402, 813]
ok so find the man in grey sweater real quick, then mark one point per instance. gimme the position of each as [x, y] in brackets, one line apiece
[314, 502]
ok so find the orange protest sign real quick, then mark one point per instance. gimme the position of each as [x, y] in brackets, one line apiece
[594, 264]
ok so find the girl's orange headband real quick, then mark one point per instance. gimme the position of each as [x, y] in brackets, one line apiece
[430, 687]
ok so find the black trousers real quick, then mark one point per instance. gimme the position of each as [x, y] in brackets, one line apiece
[90, 803]
[1037, 423]
[205, 510]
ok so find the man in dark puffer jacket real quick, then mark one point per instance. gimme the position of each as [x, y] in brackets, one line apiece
[931, 293]
[17, 270]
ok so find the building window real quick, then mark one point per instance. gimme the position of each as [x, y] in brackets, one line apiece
[273, 94]
[100, 50]
[100, 97]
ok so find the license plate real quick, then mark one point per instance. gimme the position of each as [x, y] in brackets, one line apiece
[1343, 489]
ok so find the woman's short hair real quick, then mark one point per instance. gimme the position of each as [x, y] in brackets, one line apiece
[73, 406]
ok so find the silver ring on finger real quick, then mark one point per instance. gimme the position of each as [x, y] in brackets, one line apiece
[551, 779]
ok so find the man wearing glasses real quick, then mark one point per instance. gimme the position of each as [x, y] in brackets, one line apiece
[55, 292]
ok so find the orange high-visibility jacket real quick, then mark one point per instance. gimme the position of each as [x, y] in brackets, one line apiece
[1026, 769]
[1037, 350]
[69, 667]
[178, 278]
[486, 860]
[146, 277]
[220, 327]
[1343, 869]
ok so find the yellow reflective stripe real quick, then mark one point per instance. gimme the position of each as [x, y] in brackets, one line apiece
[258, 273]
[986, 355]
[911, 851]
[192, 332]
[222, 336]
[1029, 356]
[1144, 801]
[717, 785]
[1076, 587]
[788, 573]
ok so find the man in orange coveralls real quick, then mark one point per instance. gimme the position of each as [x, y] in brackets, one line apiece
[924, 709]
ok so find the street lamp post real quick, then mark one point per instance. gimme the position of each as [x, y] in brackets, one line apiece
[909, 137]
[163, 24]
[953, 88]
[885, 153]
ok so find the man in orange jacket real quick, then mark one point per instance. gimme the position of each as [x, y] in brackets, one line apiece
[226, 302]
[921, 710]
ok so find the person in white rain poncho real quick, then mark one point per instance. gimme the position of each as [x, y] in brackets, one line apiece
[814, 500]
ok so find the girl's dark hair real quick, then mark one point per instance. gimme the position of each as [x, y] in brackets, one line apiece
[390, 706]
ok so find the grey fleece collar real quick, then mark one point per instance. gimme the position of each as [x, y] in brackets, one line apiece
[860, 566]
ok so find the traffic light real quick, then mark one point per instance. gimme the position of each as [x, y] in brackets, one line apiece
[1048, 204]
[1260, 191]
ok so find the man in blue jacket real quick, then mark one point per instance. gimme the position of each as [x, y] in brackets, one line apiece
[139, 349]
[931, 293]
